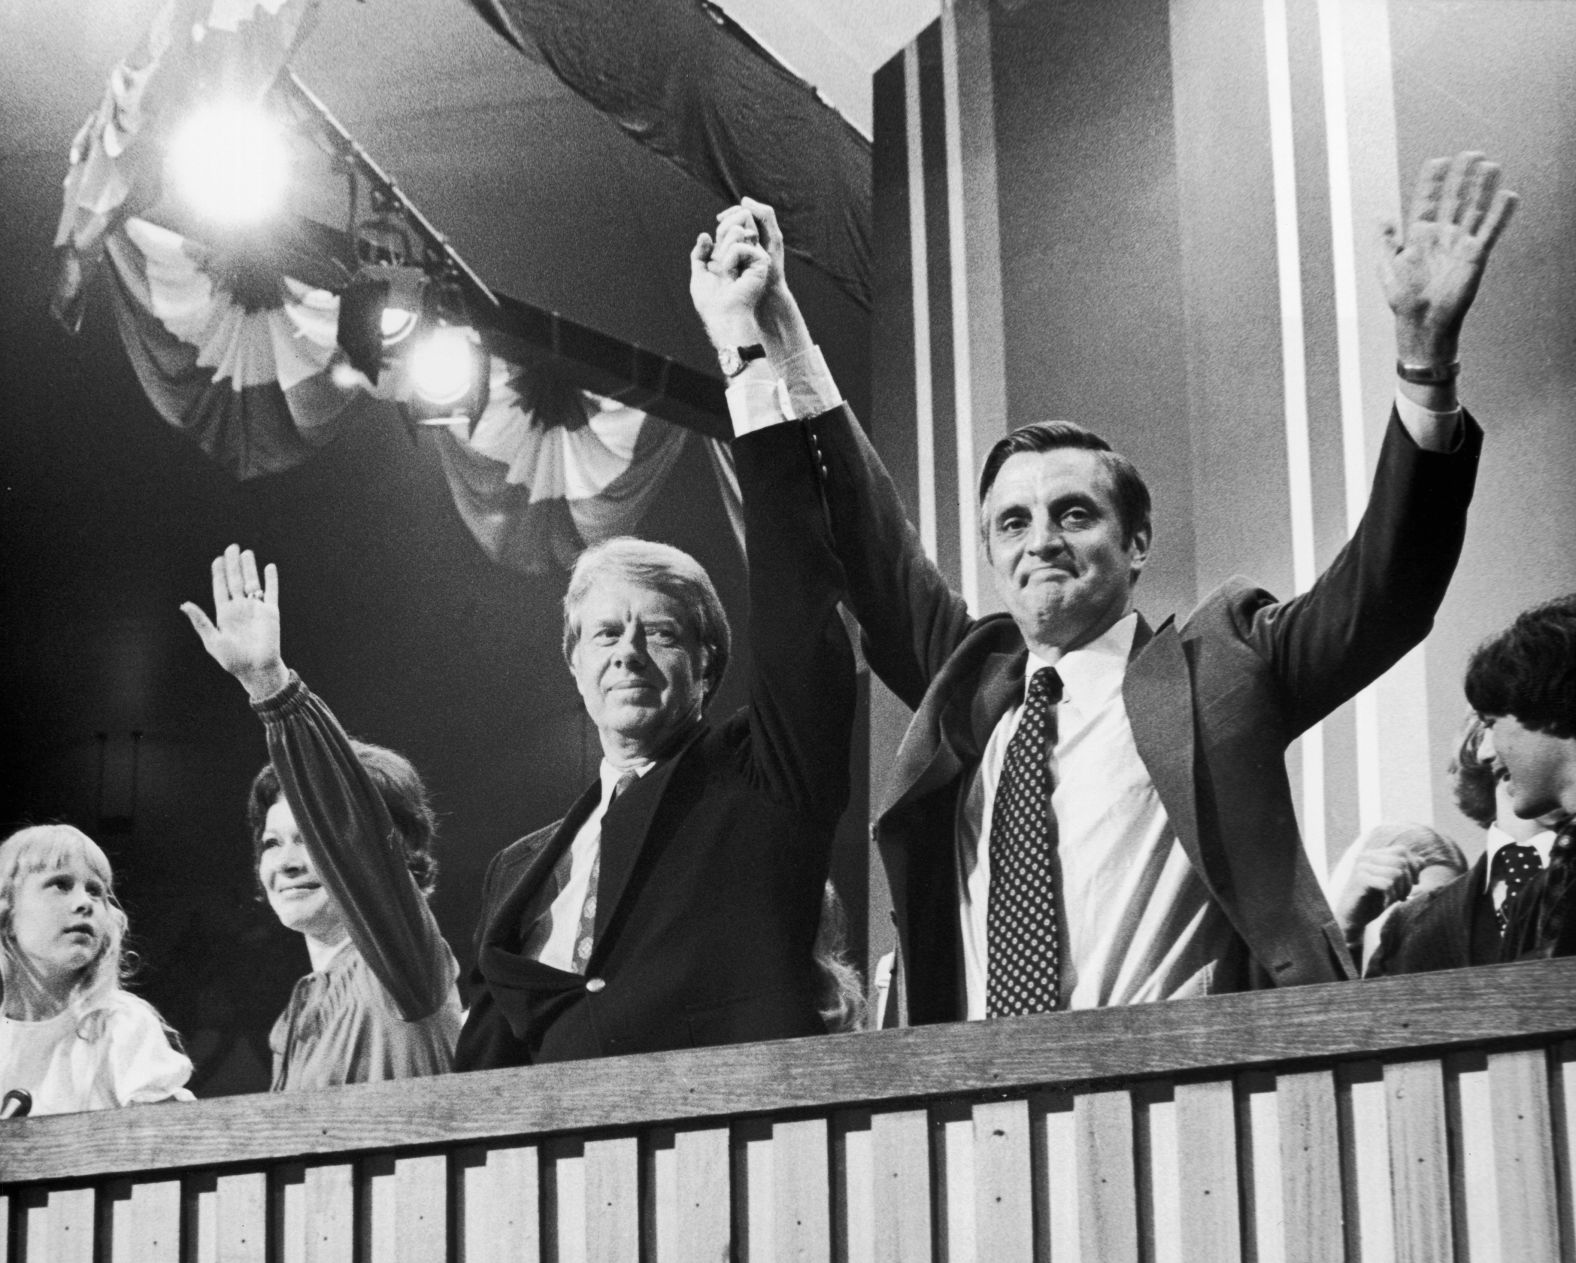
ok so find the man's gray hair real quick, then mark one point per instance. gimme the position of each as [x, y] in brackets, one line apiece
[662, 568]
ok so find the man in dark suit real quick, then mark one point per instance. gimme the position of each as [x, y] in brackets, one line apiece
[1458, 923]
[1523, 683]
[676, 903]
[1087, 810]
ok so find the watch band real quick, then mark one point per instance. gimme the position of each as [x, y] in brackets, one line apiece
[734, 359]
[1428, 374]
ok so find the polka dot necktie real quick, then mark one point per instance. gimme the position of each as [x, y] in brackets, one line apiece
[1515, 865]
[586, 930]
[1020, 921]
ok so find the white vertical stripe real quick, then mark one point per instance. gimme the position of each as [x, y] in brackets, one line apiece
[919, 283]
[962, 352]
[1294, 372]
[1348, 344]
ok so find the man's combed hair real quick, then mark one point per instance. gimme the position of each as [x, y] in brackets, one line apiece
[1529, 670]
[400, 787]
[662, 568]
[1129, 491]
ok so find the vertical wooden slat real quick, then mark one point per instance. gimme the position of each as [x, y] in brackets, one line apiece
[702, 1193]
[1003, 1182]
[853, 1187]
[1420, 1175]
[953, 1152]
[750, 1142]
[1107, 1190]
[421, 1199]
[145, 1221]
[801, 1180]
[1562, 1101]
[1207, 1145]
[329, 1212]
[287, 1213]
[10, 1247]
[1056, 1193]
[241, 1224]
[900, 1144]
[1365, 1161]
[1524, 1154]
[499, 1210]
[1259, 1180]
[60, 1227]
[1157, 1172]
[199, 1218]
[659, 1194]
[1310, 1158]
[1469, 1128]
[564, 1190]
[613, 1199]
[377, 1216]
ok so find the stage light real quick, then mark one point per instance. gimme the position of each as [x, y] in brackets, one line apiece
[229, 162]
[448, 373]
[381, 307]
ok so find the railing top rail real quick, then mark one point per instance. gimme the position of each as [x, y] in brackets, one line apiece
[1341, 1020]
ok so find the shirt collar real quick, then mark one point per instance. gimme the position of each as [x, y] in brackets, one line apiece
[1093, 669]
[1542, 842]
[612, 775]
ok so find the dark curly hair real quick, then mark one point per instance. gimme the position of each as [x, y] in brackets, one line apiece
[1529, 670]
[400, 787]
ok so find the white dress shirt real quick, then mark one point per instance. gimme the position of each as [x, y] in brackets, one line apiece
[1137, 923]
[569, 904]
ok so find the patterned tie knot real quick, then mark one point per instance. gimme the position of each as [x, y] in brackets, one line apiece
[1514, 863]
[1045, 685]
[625, 780]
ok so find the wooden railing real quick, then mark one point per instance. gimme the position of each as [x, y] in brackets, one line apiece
[1426, 1118]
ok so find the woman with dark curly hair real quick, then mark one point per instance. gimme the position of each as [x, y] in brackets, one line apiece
[343, 833]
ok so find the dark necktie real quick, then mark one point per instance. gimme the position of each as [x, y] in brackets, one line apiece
[1020, 920]
[1514, 864]
[542, 930]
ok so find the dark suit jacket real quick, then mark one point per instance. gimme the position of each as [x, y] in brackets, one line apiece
[1213, 701]
[1449, 927]
[713, 863]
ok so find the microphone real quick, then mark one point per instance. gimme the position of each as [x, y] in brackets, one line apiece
[15, 1104]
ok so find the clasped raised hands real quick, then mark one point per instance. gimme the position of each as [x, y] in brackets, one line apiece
[243, 634]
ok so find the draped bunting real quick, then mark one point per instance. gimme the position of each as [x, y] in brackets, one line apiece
[240, 355]
[547, 470]
[683, 79]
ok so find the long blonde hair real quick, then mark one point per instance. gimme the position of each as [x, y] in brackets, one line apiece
[44, 848]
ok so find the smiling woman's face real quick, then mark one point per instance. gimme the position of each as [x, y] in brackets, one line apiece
[295, 892]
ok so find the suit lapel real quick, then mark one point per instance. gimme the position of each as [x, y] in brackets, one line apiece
[504, 928]
[625, 828]
[953, 726]
[1158, 695]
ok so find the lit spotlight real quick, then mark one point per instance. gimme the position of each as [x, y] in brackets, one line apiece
[229, 161]
[448, 374]
[380, 308]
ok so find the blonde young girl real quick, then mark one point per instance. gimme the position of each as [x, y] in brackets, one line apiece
[69, 1034]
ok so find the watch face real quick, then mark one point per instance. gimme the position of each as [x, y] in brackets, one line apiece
[732, 364]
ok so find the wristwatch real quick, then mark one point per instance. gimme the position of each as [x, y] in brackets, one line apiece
[734, 358]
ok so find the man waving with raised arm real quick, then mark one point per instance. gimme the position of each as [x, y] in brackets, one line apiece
[1088, 810]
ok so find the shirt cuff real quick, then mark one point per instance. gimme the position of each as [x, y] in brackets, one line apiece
[276, 706]
[1415, 416]
[805, 389]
